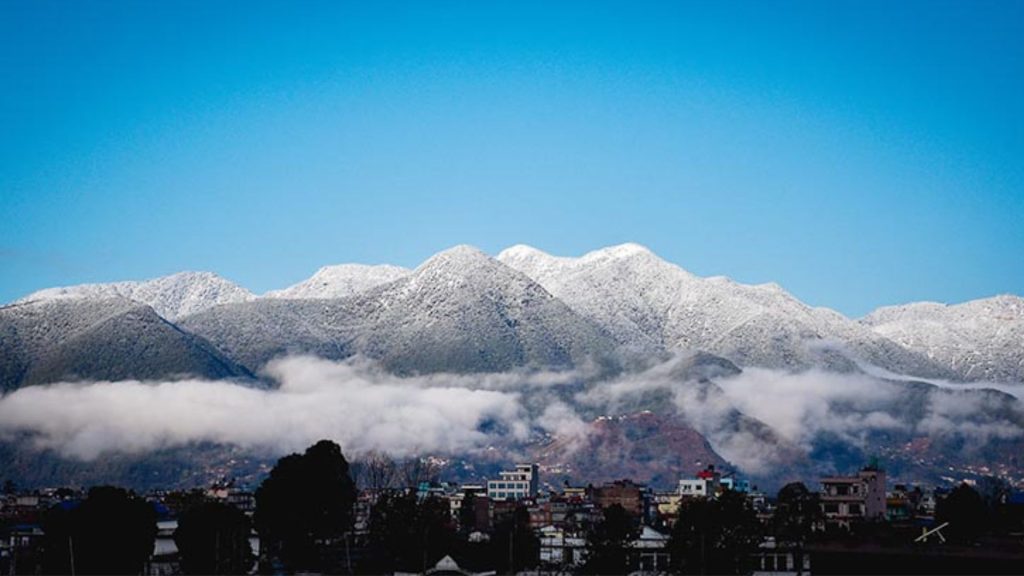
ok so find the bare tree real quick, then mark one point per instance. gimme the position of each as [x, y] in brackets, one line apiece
[416, 470]
[377, 472]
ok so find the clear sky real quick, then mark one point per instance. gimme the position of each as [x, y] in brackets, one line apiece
[858, 153]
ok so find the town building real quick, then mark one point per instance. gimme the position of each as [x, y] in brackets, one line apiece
[845, 499]
[561, 549]
[632, 497]
[780, 559]
[649, 552]
[707, 484]
[523, 482]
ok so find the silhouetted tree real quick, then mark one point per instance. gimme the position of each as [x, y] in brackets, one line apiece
[514, 545]
[407, 534]
[608, 542]
[181, 501]
[304, 507]
[467, 514]
[715, 536]
[797, 513]
[965, 511]
[111, 532]
[213, 538]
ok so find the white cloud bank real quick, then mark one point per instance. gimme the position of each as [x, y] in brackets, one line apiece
[367, 409]
[803, 407]
[361, 408]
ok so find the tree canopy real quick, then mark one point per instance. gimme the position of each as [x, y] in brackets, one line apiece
[608, 542]
[797, 513]
[305, 505]
[407, 534]
[966, 513]
[111, 532]
[213, 538]
[715, 536]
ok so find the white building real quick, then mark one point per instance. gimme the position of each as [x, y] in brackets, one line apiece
[694, 488]
[561, 549]
[706, 485]
[651, 551]
[522, 482]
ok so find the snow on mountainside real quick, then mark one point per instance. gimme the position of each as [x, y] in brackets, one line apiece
[527, 307]
[644, 300]
[465, 309]
[460, 311]
[172, 297]
[981, 339]
[99, 339]
[341, 280]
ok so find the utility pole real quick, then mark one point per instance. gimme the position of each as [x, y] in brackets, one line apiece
[511, 549]
[71, 554]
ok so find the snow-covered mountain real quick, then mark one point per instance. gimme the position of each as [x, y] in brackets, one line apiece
[661, 356]
[340, 281]
[460, 311]
[981, 339]
[99, 339]
[527, 307]
[171, 296]
[645, 301]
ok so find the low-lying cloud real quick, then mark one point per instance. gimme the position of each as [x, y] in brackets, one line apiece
[755, 419]
[800, 409]
[362, 408]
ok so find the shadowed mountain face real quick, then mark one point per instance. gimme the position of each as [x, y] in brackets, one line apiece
[110, 339]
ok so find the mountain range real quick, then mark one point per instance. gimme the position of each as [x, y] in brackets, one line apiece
[464, 311]
[616, 319]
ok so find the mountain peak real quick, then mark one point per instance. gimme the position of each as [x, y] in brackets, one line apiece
[171, 296]
[627, 250]
[522, 252]
[460, 255]
[341, 280]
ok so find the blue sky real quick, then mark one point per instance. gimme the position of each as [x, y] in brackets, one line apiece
[858, 153]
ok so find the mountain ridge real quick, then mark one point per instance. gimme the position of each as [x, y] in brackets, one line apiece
[646, 305]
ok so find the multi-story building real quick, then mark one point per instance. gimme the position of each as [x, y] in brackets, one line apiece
[849, 498]
[561, 549]
[632, 497]
[707, 484]
[523, 482]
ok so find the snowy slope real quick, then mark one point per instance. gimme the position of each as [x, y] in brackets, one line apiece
[99, 339]
[171, 296]
[644, 301]
[981, 339]
[460, 311]
[340, 281]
